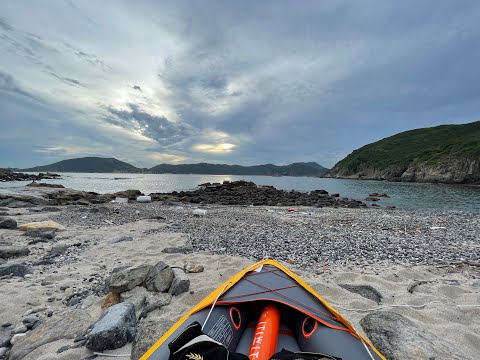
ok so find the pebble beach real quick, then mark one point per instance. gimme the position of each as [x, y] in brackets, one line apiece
[373, 264]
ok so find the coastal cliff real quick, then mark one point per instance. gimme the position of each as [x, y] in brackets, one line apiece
[444, 154]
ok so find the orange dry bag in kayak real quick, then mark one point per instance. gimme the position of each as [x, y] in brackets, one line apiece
[265, 338]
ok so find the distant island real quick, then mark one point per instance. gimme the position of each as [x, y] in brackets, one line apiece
[112, 165]
[444, 154]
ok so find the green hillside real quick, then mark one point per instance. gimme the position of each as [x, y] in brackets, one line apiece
[432, 149]
[88, 164]
[295, 169]
[112, 165]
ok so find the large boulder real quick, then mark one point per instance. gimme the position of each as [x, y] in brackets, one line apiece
[136, 296]
[159, 278]
[8, 224]
[399, 338]
[181, 282]
[10, 251]
[67, 325]
[367, 291]
[126, 278]
[115, 328]
[148, 332]
[15, 269]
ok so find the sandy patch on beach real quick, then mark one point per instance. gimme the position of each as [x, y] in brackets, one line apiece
[449, 292]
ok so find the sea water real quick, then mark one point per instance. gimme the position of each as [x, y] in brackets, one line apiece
[419, 196]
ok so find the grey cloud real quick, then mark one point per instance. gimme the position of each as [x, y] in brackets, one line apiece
[8, 84]
[5, 25]
[90, 58]
[66, 80]
[159, 128]
[136, 87]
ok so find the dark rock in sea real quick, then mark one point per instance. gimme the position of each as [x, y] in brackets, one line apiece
[115, 328]
[46, 185]
[10, 251]
[181, 282]
[8, 224]
[370, 198]
[367, 291]
[247, 193]
[378, 195]
[399, 338]
[15, 269]
[126, 278]
[159, 278]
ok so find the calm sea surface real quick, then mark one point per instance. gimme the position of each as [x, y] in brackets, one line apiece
[403, 195]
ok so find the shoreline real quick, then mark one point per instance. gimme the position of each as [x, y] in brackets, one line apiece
[351, 246]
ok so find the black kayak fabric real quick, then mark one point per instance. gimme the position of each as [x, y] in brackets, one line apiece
[193, 344]
[288, 355]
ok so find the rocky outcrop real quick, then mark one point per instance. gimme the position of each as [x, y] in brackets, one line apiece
[449, 170]
[399, 338]
[67, 325]
[248, 193]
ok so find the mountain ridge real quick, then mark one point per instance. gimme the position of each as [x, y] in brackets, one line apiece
[112, 165]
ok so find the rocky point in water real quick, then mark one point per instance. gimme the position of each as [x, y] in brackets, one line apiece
[248, 193]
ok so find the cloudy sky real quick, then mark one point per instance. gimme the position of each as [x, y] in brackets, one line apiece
[242, 82]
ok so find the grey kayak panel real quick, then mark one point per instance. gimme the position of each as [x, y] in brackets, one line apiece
[332, 342]
[256, 286]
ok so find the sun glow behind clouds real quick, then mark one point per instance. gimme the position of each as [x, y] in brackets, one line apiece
[169, 158]
[215, 148]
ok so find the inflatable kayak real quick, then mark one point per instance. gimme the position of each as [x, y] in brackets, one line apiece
[268, 306]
